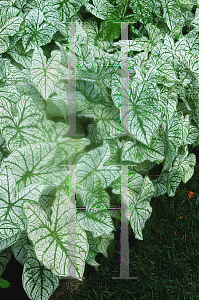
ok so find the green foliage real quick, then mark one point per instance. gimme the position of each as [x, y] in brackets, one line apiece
[4, 284]
[35, 151]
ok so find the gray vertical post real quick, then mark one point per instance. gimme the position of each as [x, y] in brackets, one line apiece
[72, 132]
[72, 226]
[124, 266]
[124, 233]
[124, 78]
[72, 222]
[72, 83]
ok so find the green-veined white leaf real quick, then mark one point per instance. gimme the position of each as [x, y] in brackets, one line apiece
[109, 29]
[3, 149]
[51, 15]
[71, 147]
[35, 163]
[9, 93]
[93, 263]
[160, 185]
[10, 203]
[95, 199]
[190, 132]
[9, 234]
[20, 123]
[107, 125]
[44, 74]
[58, 104]
[38, 33]
[138, 152]
[68, 8]
[155, 34]
[99, 9]
[173, 180]
[139, 204]
[52, 240]
[12, 26]
[20, 56]
[172, 14]
[173, 139]
[94, 161]
[19, 250]
[144, 111]
[92, 247]
[9, 29]
[186, 165]
[4, 43]
[187, 4]
[103, 243]
[38, 281]
[14, 74]
[5, 257]
[142, 9]
[47, 198]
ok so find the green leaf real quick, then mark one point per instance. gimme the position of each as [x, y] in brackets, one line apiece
[44, 74]
[109, 29]
[4, 283]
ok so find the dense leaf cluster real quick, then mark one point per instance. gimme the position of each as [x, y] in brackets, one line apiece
[36, 154]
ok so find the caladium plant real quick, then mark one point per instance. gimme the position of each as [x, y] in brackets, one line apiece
[36, 153]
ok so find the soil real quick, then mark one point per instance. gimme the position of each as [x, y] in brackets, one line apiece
[13, 274]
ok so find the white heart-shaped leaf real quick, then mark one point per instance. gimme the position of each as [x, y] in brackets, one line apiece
[44, 74]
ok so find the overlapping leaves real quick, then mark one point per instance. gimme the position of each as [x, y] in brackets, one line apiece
[35, 151]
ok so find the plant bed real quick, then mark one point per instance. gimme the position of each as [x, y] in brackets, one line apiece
[93, 111]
